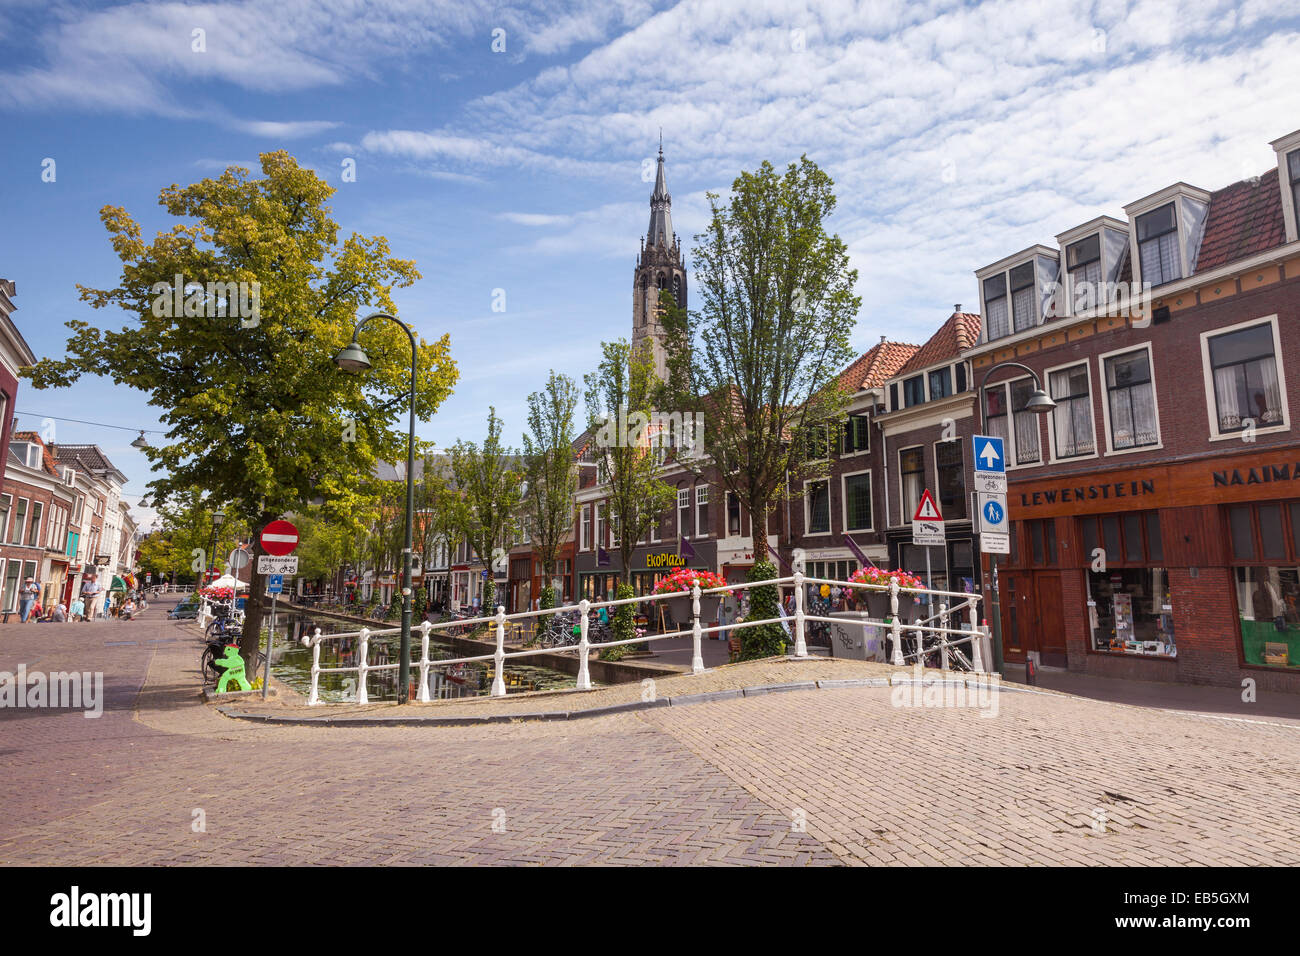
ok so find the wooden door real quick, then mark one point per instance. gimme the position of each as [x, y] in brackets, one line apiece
[1049, 625]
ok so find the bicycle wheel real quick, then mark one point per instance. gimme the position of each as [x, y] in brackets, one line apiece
[207, 666]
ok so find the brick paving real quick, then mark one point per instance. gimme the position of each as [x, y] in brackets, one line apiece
[820, 777]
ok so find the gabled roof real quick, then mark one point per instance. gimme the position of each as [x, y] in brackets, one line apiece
[47, 459]
[88, 458]
[877, 365]
[960, 332]
[1244, 219]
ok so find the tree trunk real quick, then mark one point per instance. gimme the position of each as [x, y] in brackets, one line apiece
[758, 515]
[251, 637]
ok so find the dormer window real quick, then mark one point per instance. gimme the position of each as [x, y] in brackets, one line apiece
[1019, 295]
[1293, 177]
[995, 306]
[1023, 314]
[1157, 234]
[913, 391]
[1083, 261]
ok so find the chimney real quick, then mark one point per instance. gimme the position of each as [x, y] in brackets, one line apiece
[882, 340]
[957, 307]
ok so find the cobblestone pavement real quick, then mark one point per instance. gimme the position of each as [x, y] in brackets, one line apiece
[835, 776]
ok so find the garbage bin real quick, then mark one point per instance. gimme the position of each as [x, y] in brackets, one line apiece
[856, 639]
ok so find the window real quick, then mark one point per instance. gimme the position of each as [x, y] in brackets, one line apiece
[940, 383]
[1293, 175]
[702, 511]
[599, 525]
[961, 376]
[69, 477]
[857, 502]
[1072, 417]
[613, 530]
[586, 527]
[995, 412]
[818, 497]
[1042, 540]
[1083, 264]
[1243, 366]
[1265, 543]
[12, 572]
[1024, 314]
[995, 306]
[893, 397]
[684, 512]
[1131, 611]
[857, 434]
[34, 530]
[1157, 233]
[6, 507]
[733, 515]
[19, 522]
[911, 469]
[1026, 423]
[913, 391]
[951, 475]
[1132, 538]
[1131, 401]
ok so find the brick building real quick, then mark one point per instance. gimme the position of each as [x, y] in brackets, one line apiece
[37, 510]
[14, 354]
[1155, 511]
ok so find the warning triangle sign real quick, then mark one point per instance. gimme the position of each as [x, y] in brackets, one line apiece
[927, 510]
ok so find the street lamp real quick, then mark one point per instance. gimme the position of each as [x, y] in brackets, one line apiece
[354, 359]
[218, 517]
[1040, 403]
[141, 443]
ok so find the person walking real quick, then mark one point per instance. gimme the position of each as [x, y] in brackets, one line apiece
[27, 598]
[78, 609]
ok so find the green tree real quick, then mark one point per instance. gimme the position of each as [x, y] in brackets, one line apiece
[620, 399]
[552, 478]
[258, 414]
[491, 485]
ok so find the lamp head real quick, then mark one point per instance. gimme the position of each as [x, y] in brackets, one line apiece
[352, 358]
[1040, 403]
[140, 442]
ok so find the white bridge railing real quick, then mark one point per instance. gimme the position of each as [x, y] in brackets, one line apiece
[945, 644]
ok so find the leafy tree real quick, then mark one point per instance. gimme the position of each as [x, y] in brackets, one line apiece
[552, 479]
[772, 335]
[258, 414]
[491, 487]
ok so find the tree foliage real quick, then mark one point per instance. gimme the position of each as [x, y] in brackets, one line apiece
[487, 477]
[257, 413]
[548, 465]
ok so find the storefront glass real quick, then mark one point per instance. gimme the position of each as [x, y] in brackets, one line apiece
[1268, 599]
[1130, 611]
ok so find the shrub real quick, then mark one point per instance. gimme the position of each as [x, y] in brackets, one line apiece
[624, 626]
[766, 640]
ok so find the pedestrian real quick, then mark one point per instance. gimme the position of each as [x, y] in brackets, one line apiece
[60, 614]
[27, 598]
[78, 609]
[108, 603]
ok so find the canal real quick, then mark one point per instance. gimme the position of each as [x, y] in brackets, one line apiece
[291, 663]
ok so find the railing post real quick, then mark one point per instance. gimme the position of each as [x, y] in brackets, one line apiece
[977, 658]
[314, 699]
[424, 662]
[894, 625]
[584, 648]
[499, 658]
[800, 641]
[943, 623]
[363, 665]
[697, 653]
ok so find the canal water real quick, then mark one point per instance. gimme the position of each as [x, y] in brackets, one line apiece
[291, 663]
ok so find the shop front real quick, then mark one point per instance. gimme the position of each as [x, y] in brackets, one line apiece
[649, 565]
[1182, 571]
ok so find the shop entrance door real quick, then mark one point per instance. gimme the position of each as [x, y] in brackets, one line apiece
[1018, 631]
[1049, 623]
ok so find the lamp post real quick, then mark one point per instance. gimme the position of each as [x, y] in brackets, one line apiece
[218, 517]
[1040, 403]
[354, 359]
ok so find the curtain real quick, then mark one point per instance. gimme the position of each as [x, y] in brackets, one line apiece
[1144, 414]
[1272, 414]
[1022, 308]
[998, 318]
[1026, 437]
[1225, 392]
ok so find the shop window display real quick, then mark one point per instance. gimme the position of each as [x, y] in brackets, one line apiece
[1130, 611]
[1269, 602]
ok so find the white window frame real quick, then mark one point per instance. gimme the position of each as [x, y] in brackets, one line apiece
[584, 525]
[726, 515]
[701, 498]
[597, 524]
[904, 518]
[613, 530]
[1211, 402]
[844, 500]
[807, 510]
[862, 451]
[1105, 400]
[34, 526]
[1053, 457]
[683, 504]
[27, 512]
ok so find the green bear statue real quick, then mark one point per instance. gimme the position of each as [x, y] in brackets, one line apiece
[232, 670]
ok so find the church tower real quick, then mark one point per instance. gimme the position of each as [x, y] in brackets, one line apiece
[659, 266]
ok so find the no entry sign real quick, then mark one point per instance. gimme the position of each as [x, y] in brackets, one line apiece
[279, 537]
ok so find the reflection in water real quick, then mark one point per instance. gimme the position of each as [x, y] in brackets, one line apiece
[291, 663]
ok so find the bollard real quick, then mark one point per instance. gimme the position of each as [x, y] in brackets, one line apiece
[800, 641]
[1031, 671]
[314, 699]
[584, 647]
[697, 655]
[363, 665]
[424, 662]
[895, 627]
[499, 681]
[977, 658]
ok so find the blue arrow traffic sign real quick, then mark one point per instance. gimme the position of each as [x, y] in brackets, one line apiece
[989, 455]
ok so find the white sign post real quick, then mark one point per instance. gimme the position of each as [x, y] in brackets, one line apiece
[991, 494]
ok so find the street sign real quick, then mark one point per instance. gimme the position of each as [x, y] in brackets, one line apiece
[269, 564]
[238, 559]
[992, 543]
[993, 513]
[279, 537]
[989, 455]
[991, 483]
[275, 584]
[927, 523]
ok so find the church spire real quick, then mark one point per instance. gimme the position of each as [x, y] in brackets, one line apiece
[661, 219]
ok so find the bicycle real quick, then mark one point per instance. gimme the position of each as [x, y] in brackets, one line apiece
[215, 649]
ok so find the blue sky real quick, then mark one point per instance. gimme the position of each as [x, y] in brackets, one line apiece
[957, 133]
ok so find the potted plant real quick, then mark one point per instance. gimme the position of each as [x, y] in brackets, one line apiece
[877, 595]
[682, 580]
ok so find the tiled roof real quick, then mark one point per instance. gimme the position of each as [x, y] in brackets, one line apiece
[47, 459]
[876, 365]
[960, 332]
[1244, 219]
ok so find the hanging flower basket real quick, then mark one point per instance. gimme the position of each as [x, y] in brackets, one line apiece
[878, 598]
[682, 580]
